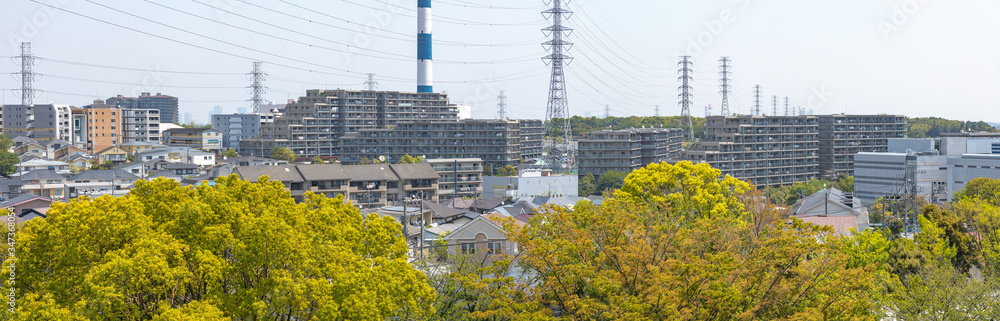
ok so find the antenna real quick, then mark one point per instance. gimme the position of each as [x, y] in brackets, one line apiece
[724, 72]
[685, 95]
[258, 77]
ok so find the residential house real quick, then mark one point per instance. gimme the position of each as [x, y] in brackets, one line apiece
[483, 237]
[834, 208]
[29, 148]
[252, 161]
[113, 154]
[58, 167]
[183, 169]
[184, 155]
[10, 188]
[27, 207]
[96, 183]
[287, 175]
[137, 147]
[417, 181]
[328, 179]
[44, 182]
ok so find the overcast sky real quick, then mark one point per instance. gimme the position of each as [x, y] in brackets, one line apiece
[915, 57]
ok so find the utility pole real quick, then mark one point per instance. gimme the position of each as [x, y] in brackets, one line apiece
[756, 100]
[787, 110]
[502, 106]
[687, 122]
[27, 75]
[724, 71]
[774, 106]
[371, 83]
[257, 88]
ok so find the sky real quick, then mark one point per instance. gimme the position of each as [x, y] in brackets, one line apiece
[912, 57]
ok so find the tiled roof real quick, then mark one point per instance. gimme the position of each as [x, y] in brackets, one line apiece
[286, 173]
[323, 172]
[415, 171]
[95, 174]
[370, 173]
[41, 174]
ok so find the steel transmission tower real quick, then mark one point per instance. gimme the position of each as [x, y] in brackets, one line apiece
[774, 106]
[371, 83]
[756, 100]
[724, 72]
[657, 111]
[502, 105]
[258, 77]
[558, 105]
[787, 107]
[685, 96]
[607, 111]
[27, 75]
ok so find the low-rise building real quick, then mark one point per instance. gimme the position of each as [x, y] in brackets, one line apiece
[530, 184]
[206, 139]
[834, 208]
[61, 168]
[252, 161]
[367, 186]
[44, 183]
[967, 167]
[95, 183]
[184, 155]
[482, 238]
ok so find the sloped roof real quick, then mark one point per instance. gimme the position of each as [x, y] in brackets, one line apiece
[164, 174]
[286, 173]
[42, 162]
[415, 171]
[838, 202]
[370, 173]
[20, 140]
[21, 199]
[181, 166]
[324, 172]
[40, 174]
[841, 224]
[99, 174]
[438, 211]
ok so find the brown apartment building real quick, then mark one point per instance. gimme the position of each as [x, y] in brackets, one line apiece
[102, 125]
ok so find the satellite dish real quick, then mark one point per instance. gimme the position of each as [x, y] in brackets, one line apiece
[381, 158]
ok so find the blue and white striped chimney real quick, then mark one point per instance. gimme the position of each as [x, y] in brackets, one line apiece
[425, 61]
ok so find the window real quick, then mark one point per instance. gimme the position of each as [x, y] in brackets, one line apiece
[494, 248]
[469, 248]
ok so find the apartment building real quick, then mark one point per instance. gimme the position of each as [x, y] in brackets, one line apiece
[235, 127]
[496, 142]
[206, 139]
[313, 124]
[843, 136]
[40, 122]
[765, 150]
[367, 186]
[627, 150]
[532, 139]
[167, 106]
[141, 125]
[101, 126]
[460, 177]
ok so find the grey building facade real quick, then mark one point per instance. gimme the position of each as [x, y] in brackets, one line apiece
[843, 136]
[627, 150]
[460, 177]
[313, 124]
[496, 142]
[235, 127]
[141, 125]
[764, 150]
[40, 122]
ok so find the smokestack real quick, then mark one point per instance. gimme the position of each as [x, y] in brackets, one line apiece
[425, 62]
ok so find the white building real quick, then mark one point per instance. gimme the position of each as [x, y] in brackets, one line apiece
[529, 186]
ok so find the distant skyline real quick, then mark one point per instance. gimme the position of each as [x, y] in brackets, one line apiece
[913, 57]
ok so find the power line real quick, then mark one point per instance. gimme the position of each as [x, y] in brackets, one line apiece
[138, 69]
[446, 19]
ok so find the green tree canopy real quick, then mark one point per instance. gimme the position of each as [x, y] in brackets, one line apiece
[587, 185]
[235, 250]
[611, 180]
[230, 153]
[506, 171]
[282, 153]
[407, 159]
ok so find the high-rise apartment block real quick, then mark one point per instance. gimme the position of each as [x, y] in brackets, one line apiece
[532, 138]
[141, 125]
[843, 136]
[39, 122]
[312, 125]
[627, 150]
[765, 150]
[167, 105]
[101, 126]
[496, 142]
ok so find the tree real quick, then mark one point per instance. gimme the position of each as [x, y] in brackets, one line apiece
[6, 143]
[282, 153]
[587, 185]
[506, 171]
[981, 188]
[8, 163]
[235, 250]
[230, 153]
[365, 161]
[845, 183]
[677, 242]
[407, 159]
[317, 160]
[611, 180]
